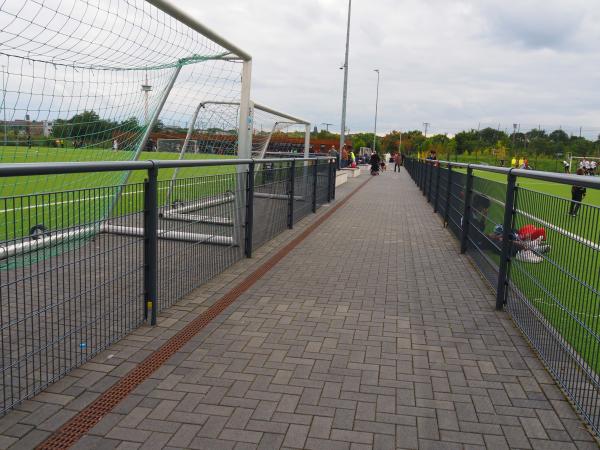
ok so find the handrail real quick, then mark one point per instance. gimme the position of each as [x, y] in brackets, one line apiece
[584, 181]
[56, 168]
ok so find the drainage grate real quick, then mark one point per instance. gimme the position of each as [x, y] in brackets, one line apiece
[80, 424]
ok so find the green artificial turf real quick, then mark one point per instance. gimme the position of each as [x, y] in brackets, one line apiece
[565, 286]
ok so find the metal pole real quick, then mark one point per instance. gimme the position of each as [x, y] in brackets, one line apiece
[244, 149]
[345, 94]
[329, 181]
[306, 155]
[448, 193]
[142, 142]
[376, 108]
[181, 16]
[314, 192]
[183, 150]
[291, 191]
[467, 211]
[249, 210]
[509, 209]
[429, 183]
[437, 188]
[333, 176]
[307, 141]
[151, 245]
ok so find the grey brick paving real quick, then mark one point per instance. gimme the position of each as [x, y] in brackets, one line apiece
[372, 333]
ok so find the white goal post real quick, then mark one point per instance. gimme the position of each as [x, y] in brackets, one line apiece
[259, 142]
[575, 162]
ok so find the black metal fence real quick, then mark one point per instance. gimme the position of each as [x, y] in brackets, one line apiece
[81, 269]
[539, 248]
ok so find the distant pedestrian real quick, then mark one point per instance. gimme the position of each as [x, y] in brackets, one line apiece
[115, 146]
[397, 162]
[577, 194]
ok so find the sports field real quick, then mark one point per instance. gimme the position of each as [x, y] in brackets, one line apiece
[565, 286]
[60, 201]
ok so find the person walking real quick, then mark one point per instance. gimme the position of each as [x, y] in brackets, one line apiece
[577, 194]
[334, 154]
[344, 156]
[397, 162]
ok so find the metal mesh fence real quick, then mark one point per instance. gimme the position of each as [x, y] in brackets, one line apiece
[79, 282]
[545, 267]
[271, 201]
[196, 232]
[60, 309]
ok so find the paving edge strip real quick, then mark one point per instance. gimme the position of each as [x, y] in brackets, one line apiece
[76, 427]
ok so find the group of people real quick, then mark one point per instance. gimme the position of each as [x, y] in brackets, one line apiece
[378, 163]
[589, 167]
[521, 163]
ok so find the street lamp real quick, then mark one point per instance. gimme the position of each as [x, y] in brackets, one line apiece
[376, 107]
[345, 94]
[146, 88]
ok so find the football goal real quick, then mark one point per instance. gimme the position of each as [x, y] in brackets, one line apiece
[589, 164]
[273, 133]
[92, 81]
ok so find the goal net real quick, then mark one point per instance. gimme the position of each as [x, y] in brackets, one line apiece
[589, 164]
[213, 130]
[176, 145]
[94, 80]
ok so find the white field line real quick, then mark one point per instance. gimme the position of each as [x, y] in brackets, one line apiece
[593, 245]
[85, 199]
[553, 305]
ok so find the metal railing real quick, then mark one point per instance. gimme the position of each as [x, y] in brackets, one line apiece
[540, 252]
[96, 269]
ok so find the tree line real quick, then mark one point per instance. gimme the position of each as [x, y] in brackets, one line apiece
[487, 141]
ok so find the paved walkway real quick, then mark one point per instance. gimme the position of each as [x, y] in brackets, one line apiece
[372, 333]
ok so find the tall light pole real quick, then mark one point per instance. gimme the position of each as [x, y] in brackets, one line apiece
[514, 137]
[146, 88]
[426, 127]
[376, 107]
[327, 125]
[345, 94]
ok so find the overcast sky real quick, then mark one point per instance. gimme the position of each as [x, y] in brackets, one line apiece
[454, 64]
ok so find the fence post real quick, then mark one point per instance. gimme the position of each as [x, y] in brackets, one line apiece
[437, 188]
[333, 180]
[291, 199]
[329, 187]
[151, 245]
[249, 222]
[448, 196]
[509, 210]
[464, 237]
[431, 167]
[314, 191]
